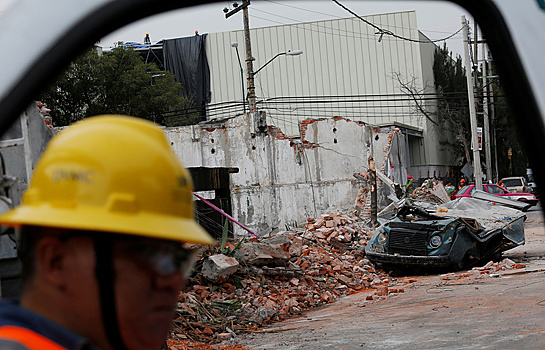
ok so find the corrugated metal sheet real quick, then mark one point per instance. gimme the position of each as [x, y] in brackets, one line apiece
[342, 57]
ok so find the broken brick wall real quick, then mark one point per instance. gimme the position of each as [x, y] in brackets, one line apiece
[282, 181]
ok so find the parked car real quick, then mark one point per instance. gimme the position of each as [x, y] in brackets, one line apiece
[468, 190]
[532, 182]
[467, 232]
[516, 184]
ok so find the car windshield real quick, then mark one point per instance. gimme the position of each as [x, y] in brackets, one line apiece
[512, 182]
[462, 190]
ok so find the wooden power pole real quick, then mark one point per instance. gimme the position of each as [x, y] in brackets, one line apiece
[249, 59]
[472, 112]
[248, 45]
[486, 119]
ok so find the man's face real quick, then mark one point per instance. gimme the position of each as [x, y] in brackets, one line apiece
[148, 279]
[147, 284]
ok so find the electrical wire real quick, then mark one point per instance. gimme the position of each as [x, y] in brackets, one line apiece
[303, 9]
[273, 14]
[321, 28]
[340, 31]
[387, 32]
[326, 30]
[295, 107]
[210, 222]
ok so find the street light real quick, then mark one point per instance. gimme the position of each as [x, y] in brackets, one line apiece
[251, 88]
[289, 53]
[235, 45]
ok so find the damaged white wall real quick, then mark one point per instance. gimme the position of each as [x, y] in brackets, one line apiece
[281, 180]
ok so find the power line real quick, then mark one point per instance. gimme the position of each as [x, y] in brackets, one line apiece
[322, 28]
[326, 30]
[383, 32]
[303, 9]
[339, 17]
[273, 14]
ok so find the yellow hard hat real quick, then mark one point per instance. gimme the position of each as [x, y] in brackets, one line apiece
[111, 173]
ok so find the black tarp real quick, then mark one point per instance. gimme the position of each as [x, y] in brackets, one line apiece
[186, 59]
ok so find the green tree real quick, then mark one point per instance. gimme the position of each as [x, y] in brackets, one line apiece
[451, 115]
[452, 106]
[448, 112]
[117, 82]
[507, 136]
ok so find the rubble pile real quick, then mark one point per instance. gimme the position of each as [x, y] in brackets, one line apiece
[432, 191]
[495, 267]
[337, 227]
[491, 269]
[271, 279]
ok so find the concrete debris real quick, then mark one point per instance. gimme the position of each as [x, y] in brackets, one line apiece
[286, 274]
[491, 269]
[337, 228]
[320, 262]
[218, 268]
[262, 254]
[433, 191]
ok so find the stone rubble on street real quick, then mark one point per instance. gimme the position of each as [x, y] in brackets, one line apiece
[275, 278]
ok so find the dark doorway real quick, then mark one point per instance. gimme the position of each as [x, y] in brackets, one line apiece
[213, 185]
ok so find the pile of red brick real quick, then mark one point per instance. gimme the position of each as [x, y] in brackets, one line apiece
[326, 261]
[341, 228]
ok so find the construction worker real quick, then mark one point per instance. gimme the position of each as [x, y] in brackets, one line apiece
[462, 183]
[147, 40]
[107, 235]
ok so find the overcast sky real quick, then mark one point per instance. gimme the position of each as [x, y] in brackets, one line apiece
[437, 19]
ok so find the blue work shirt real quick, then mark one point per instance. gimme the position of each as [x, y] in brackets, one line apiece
[12, 314]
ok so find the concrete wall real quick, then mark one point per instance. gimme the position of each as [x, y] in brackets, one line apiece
[284, 180]
[14, 157]
[15, 166]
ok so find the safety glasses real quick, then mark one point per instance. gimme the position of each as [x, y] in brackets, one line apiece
[163, 257]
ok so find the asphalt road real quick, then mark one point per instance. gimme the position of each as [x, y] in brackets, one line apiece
[505, 310]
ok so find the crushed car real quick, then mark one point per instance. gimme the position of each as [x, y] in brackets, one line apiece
[455, 235]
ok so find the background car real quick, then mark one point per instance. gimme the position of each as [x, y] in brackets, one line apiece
[516, 184]
[468, 190]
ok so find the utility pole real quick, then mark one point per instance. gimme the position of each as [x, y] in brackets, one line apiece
[475, 56]
[248, 44]
[249, 59]
[373, 180]
[486, 118]
[493, 118]
[472, 112]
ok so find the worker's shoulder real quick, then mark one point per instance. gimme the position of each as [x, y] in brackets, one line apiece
[20, 329]
[16, 337]
[6, 344]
